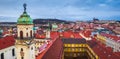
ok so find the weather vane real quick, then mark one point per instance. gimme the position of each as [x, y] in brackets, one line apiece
[24, 5]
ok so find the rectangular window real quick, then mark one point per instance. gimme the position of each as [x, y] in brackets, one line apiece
[13, 52]
[2, 55]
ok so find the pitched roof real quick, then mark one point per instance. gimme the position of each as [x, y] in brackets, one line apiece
[114, 37]
[6, 42]
[55, 51]
[102, 51]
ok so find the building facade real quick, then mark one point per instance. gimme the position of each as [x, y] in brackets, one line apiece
[7, 48]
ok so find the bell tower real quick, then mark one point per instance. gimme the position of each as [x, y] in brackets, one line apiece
[25, 48]
[25, 25]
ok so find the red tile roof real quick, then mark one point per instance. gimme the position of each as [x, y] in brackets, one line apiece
[67, 34]
[53, 46]
[57, 45]
[86, 33]
[39, 56]
[100, 49]
[54, 34]
[55, 51]
[114, 37]
[76, 35]
[38, 36]
[70, 34]
[104, 52]
[7, 42]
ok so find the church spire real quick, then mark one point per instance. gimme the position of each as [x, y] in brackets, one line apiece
[24, 5]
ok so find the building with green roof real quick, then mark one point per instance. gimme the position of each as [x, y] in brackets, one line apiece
[24, 18]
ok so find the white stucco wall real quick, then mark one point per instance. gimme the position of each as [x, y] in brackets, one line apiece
[28, 53]
[8, 53]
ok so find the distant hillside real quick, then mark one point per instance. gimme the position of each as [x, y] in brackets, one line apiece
[41, 21]
[45, 21]
[8, 22]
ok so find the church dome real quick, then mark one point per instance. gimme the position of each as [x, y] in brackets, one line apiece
[24, 18]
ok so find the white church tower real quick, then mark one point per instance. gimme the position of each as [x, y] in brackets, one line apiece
[48, 31]
[25, 48]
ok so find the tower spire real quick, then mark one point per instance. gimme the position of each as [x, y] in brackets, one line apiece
[24, 5]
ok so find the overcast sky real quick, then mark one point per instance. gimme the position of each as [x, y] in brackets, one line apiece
[61, 9]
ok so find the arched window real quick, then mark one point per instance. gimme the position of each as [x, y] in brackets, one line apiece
[21, 34]
[27, 35]
[2, 55]
[13, 52]
[31, 33]
[21, 49]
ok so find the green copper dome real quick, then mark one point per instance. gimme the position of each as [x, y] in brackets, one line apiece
[24, 19]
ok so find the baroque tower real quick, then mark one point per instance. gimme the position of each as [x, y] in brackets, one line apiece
[25, 48]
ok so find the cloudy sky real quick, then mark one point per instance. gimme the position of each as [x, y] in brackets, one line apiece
[10, 10]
